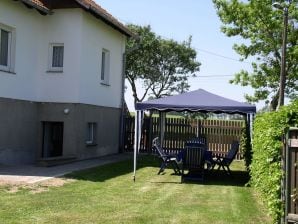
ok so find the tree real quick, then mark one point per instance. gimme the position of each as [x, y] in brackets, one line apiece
[261, 25]
[162, 66]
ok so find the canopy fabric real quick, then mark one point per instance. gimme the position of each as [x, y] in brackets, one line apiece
[199, 100]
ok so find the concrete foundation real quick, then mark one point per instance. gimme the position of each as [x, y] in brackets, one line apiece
[21, 130]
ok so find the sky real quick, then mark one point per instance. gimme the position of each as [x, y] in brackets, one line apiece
[176, 19]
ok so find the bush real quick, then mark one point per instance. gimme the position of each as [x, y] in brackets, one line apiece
[245, 145]
[265, 168]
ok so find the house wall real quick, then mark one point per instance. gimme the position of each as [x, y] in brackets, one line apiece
[107, 134]
[64, 26]
[21, 131]
[32, 95]
[96, 36]
[75, 128]
[28, 26]
[83, 36]
[18, 131]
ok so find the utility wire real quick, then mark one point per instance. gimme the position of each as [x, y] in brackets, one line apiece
[211, 76]
[198, 49]
[222, 56]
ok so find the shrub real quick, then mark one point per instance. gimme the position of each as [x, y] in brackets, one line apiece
[245, 145]
[265, 168]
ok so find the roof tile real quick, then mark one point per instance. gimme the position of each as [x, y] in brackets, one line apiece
[107, 16]
[91, 6]
[36, 3]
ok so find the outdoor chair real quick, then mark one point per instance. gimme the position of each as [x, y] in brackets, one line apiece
[197, 140]
[225, 161]
[193, 163]
[166, 159]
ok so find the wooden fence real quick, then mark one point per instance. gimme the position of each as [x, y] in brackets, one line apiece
[290, 154]
[219, 134]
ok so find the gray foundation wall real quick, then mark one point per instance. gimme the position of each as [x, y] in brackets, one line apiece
[21, 130]
[18, 131]
[75, 128]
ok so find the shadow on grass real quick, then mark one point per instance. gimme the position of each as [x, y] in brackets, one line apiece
[217, 177]
[109, 171]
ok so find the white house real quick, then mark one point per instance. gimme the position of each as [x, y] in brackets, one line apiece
[61, 80]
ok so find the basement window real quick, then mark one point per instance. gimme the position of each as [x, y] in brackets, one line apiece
[91, 133]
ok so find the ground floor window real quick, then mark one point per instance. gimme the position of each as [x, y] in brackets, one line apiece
[91, 133]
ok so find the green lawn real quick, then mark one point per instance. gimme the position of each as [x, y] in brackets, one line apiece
[107, 194]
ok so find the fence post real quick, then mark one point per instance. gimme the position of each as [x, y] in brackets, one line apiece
[291, 176]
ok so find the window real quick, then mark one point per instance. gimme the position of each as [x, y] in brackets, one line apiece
[7, 46]
[56, 55]
[105, 66]
[91, 133]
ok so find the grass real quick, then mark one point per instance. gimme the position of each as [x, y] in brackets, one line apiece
[107, 194]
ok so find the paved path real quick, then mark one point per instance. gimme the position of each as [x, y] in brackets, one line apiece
[30, 174]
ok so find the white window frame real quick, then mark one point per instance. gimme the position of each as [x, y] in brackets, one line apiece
[11, 48]
[91, 133]
[50, 60]
[105, 67]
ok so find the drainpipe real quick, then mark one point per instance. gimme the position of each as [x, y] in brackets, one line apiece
[122, 114]
[122, 122]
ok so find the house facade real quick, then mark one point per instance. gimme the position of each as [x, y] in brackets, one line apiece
[61, 80]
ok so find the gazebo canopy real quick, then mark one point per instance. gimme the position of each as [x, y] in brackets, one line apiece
[197, 101]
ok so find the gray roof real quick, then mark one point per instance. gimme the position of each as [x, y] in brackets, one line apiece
[198, 100]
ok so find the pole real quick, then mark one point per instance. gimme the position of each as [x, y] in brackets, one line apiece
[282, 82]
[135, 148]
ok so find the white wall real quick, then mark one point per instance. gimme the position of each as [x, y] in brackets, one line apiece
[64, 26]
[28, 30]
[96, 36]
[83, 36]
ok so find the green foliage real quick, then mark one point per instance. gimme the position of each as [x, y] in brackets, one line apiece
[162, 66]
[245, 145]
[261, 27]
[266, 164]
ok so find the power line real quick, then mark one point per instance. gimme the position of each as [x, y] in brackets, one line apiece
[197, 49]
[211, 76]
[222, 56]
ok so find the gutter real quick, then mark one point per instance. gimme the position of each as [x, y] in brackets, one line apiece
[122, 121]
[106, 18]
[42, 10]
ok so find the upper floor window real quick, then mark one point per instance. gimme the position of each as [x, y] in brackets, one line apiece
[7, 45]
[56, 56]
[105, 66]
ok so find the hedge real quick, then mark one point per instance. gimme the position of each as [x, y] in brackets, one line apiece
[265, 169]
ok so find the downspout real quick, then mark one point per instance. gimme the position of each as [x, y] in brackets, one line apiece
[122, 113]
[122, 122]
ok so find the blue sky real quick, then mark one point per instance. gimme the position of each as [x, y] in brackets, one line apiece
[176, 19]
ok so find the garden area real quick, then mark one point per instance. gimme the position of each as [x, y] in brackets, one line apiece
[107, 194]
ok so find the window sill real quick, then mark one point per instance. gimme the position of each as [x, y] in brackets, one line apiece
[53, 71]
[91, 144]
[105, 84]
[7, 71]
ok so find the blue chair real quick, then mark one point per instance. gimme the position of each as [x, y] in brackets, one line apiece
[166, 159]
[197, 140]
[225, 161]
[193, 163]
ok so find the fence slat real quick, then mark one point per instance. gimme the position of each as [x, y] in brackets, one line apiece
[219, 133]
